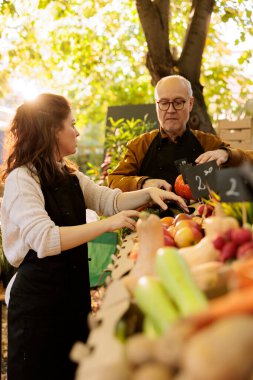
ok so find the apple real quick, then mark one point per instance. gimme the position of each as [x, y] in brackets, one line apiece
[198, 220]
[171, 230]
[169, 241]
[182, 216]
[167, 221]
[201, 209]
[210, 210]
[168, 237]
[205, 210]
[186, 223]
[182, 189]
[166, 232]
[241, 235]
[187, 236]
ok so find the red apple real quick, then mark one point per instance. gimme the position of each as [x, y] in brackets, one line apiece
[169, 241]
[171, 230]
[209, 211]
[182, 189]
[166, 232]
[205, 210]
[168, 237]
[201, 209]
[187, 223]
[182, 216]
[187, 236]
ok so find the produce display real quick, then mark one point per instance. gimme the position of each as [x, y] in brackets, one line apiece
[181, 188]
[179, 302]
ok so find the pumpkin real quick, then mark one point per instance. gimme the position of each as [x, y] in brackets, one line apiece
[182, 189]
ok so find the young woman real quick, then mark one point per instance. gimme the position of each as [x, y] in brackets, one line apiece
[45, 236]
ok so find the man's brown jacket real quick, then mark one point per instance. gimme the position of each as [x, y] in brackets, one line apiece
[126, 175]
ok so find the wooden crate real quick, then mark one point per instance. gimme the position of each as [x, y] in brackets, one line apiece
[238, 133]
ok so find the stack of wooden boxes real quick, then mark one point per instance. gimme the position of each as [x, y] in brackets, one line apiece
[238, 133]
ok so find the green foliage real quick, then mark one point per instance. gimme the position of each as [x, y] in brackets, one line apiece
[93, 52]
[118, 134]
[226, 88]
[7, 8]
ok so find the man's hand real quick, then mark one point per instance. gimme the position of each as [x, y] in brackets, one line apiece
[220, 155]
[159, 183]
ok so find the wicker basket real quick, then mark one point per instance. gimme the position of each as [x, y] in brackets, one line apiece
[237, 133]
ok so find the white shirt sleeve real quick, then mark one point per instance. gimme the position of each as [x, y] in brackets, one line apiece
[24, 221]
[100, 199]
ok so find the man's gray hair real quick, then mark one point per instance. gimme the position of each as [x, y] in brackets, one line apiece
[183, 79]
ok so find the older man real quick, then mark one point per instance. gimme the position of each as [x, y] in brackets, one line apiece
[150, 158]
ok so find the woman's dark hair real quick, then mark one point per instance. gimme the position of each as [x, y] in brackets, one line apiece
[32, 136]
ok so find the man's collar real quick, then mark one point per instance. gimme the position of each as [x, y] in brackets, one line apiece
[165, 137]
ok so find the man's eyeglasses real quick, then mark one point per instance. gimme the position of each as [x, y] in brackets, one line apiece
[177, 104]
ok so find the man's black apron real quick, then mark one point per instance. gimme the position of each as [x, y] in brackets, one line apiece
[50, 298]
[159, 161]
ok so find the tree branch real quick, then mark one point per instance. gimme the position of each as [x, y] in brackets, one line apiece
[154, 20]
[194, 44]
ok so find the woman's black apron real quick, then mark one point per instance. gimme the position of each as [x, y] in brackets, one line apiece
[50, 298]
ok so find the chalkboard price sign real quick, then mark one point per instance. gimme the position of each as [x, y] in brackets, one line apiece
[183, 171]
[201, 177]
[180, 162]
[234, 186]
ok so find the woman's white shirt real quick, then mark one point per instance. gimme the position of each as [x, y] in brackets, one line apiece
[25, 222]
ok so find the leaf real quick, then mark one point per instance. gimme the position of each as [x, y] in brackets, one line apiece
[7, 8]
[43, 3]
[94, 53]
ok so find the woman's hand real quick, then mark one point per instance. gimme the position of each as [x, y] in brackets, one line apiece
[159, 196]
[73, 236]
[133, 199]
[122, 219]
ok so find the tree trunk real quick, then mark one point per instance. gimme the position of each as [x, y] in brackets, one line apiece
[154, 17]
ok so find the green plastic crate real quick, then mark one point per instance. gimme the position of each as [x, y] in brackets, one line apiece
[99, 252]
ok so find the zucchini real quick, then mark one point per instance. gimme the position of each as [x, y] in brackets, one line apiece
[153, 300]
[177, 279]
